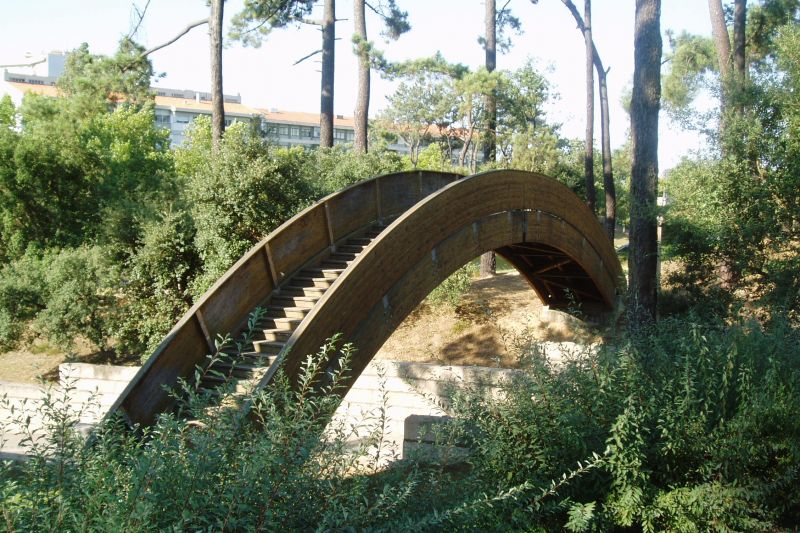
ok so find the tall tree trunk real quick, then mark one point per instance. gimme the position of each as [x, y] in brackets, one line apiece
[326, 94]
[217, 99]
[739, 65]
[720, 32]
[488, 260]
[490, 148]
[645, 103]
[362, 101]
[608, 172]
[588, 156]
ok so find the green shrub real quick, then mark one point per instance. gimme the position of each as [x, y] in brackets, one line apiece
[694, 426]
[80, 297]
[691, 427]
[451, 290]
[240, 194]
[335, 168]
[158, 280]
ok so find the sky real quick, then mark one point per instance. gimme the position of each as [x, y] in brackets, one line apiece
[266, 77]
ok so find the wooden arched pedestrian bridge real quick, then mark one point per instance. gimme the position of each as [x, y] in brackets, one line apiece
[360, 260]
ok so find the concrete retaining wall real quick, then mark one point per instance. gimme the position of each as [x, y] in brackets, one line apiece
[398, 400]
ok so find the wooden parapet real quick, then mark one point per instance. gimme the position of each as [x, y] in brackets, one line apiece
[224, 308]
[546, 231]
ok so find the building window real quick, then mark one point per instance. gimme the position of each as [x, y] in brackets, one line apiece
[283, 130]
[340, 134]
[182, 119]
[294, 132]
[316, 133]
[163, 119]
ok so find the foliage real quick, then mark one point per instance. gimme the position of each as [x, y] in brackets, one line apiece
[158, 278]
[259, 17]
[232, 469]
[8, 112]
[95, 82]
[740, 211]
[690, 427]
[457, 284]
[239, 194]
[332, 169]
[77, 165]
[687, 428]
[62, 293]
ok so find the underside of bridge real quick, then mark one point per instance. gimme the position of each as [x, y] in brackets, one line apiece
[359, 261]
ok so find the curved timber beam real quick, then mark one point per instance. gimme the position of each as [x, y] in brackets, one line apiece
[535, 222]
[305, 239]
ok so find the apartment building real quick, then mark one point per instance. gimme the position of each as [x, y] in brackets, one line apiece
[175, 109]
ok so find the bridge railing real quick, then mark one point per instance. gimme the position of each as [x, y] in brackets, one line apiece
[304, 238]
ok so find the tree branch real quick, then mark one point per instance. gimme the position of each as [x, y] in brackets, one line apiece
[312, 54]
[183, 32]
[141, 14]
[25, 64]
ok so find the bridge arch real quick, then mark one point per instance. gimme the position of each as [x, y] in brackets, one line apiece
[533, 221]
[439, 221]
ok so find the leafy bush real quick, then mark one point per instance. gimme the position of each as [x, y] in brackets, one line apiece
[690, 428]
[80, 297]
[240, 194]
[260, 468]
[59, 294]
[451, 290]
[335, 168]
[158, 279]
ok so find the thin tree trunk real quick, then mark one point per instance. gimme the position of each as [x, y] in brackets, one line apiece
[362, 101]
[488, 260]
[739, 65]
[326, 94]
[720, 32]
[588, 157]
[645, 103]
[608, 172]
[217, 100]
[490, 148]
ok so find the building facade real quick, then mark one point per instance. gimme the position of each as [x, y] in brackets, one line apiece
[175, 109]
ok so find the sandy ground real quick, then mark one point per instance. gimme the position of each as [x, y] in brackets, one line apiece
[41, 360]
[496, 314]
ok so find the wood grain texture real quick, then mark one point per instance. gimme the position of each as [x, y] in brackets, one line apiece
[224, 308]
[493, 210]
